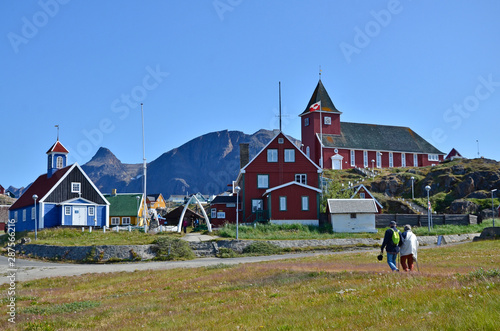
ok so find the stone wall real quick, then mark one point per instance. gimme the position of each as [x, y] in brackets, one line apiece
[111, 253]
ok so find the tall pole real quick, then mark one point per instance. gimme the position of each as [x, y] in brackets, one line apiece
[493, 207]
[237, 189]
[412, 194]
[428, 188]
[145, 211]
[280, 103]
[36, 223]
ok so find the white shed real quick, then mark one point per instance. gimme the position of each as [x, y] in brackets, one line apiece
[352, 215]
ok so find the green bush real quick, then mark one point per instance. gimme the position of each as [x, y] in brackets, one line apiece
[226, 253]
[168, 249]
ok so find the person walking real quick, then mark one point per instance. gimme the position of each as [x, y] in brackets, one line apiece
[185, 225]
[391, 243]
[408, 248]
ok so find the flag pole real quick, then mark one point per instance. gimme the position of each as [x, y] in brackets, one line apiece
[280, 103]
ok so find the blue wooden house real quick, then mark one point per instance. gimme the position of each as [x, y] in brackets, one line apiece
[65, 197]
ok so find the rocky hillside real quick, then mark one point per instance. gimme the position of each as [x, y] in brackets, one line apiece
[459, 186]
[206, 164]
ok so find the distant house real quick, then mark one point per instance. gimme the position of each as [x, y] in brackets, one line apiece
[453, 154]
[65, 197]
[352, 215]
[361, 192]
[2, 190]
[10, 194]
[172, 218]
[343, 145]
[176, 199]
[156, 201]
[4, 216]
[125, 208]
[223, 210]
[280, 185]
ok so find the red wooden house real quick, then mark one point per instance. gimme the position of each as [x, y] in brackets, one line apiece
[349, 145]
[223, 210]
[280, 184]
[361, 192]
[2, 190]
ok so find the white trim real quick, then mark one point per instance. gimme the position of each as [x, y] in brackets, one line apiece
[353, 157]
[243, 170]
[339, 158]
[76, 187]
[66, 175]
[403, 160]
[369, 193]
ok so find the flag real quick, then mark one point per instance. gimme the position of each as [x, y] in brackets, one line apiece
[315, 106]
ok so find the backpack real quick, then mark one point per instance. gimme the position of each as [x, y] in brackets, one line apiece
[395, 237]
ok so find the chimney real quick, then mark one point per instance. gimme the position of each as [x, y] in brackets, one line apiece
[244, 155]
[113, 192]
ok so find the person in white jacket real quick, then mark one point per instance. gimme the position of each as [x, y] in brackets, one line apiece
[408, 248]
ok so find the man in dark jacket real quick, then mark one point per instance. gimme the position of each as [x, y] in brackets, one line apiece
[391, 248]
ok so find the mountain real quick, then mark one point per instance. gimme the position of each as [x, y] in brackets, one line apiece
[206, 164]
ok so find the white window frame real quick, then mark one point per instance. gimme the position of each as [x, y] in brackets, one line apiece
[115, 221]
[362, 195]
[304, 202]
[379, 160]
[125, 220]
[213, 213]
[282, 203]
[281, 140]
[415, 160]
[391, 160]
[433, 157]
[15, 215]
[76, 187]
[403, 160]
[32, 213]
[365, 159]
[261, 183]
[289, 155]
[301, 178]
[353, 158]
[67, 210]
[327, 120]
[308, 152]
[24, 215]
[91, 211]
[272, 155]
[59, 162]
[306, 121]
[221, 214]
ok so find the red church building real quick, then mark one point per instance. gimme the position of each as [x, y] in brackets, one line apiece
[280, 184]
[348, 145]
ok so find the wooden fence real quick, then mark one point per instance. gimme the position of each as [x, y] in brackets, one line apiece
[383, 220]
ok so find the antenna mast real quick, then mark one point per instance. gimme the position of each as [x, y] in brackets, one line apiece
[280, 103]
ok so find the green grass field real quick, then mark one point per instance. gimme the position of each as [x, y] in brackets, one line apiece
[457, 288]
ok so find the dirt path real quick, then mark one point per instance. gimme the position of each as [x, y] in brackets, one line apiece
[26, 269]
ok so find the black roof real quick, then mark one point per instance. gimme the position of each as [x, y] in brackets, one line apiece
[321, 94]
[380, 138]
[224, 199]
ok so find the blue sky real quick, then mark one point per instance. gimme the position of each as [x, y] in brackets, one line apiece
[204, 66]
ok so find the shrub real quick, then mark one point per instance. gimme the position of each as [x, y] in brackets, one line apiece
[226, 253]
[172, 249]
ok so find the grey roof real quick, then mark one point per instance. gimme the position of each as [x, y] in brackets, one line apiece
[379, 138]
[348, 206]
[224, 199]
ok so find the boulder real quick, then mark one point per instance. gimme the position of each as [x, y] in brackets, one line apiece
[462, 206]
[478, 195]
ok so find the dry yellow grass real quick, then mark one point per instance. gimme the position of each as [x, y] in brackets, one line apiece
[458, 288]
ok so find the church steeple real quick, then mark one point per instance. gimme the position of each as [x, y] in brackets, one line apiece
[320, 94]
[56, 158]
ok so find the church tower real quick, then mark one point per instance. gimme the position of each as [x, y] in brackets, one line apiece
[56, 158]
[319, 118]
